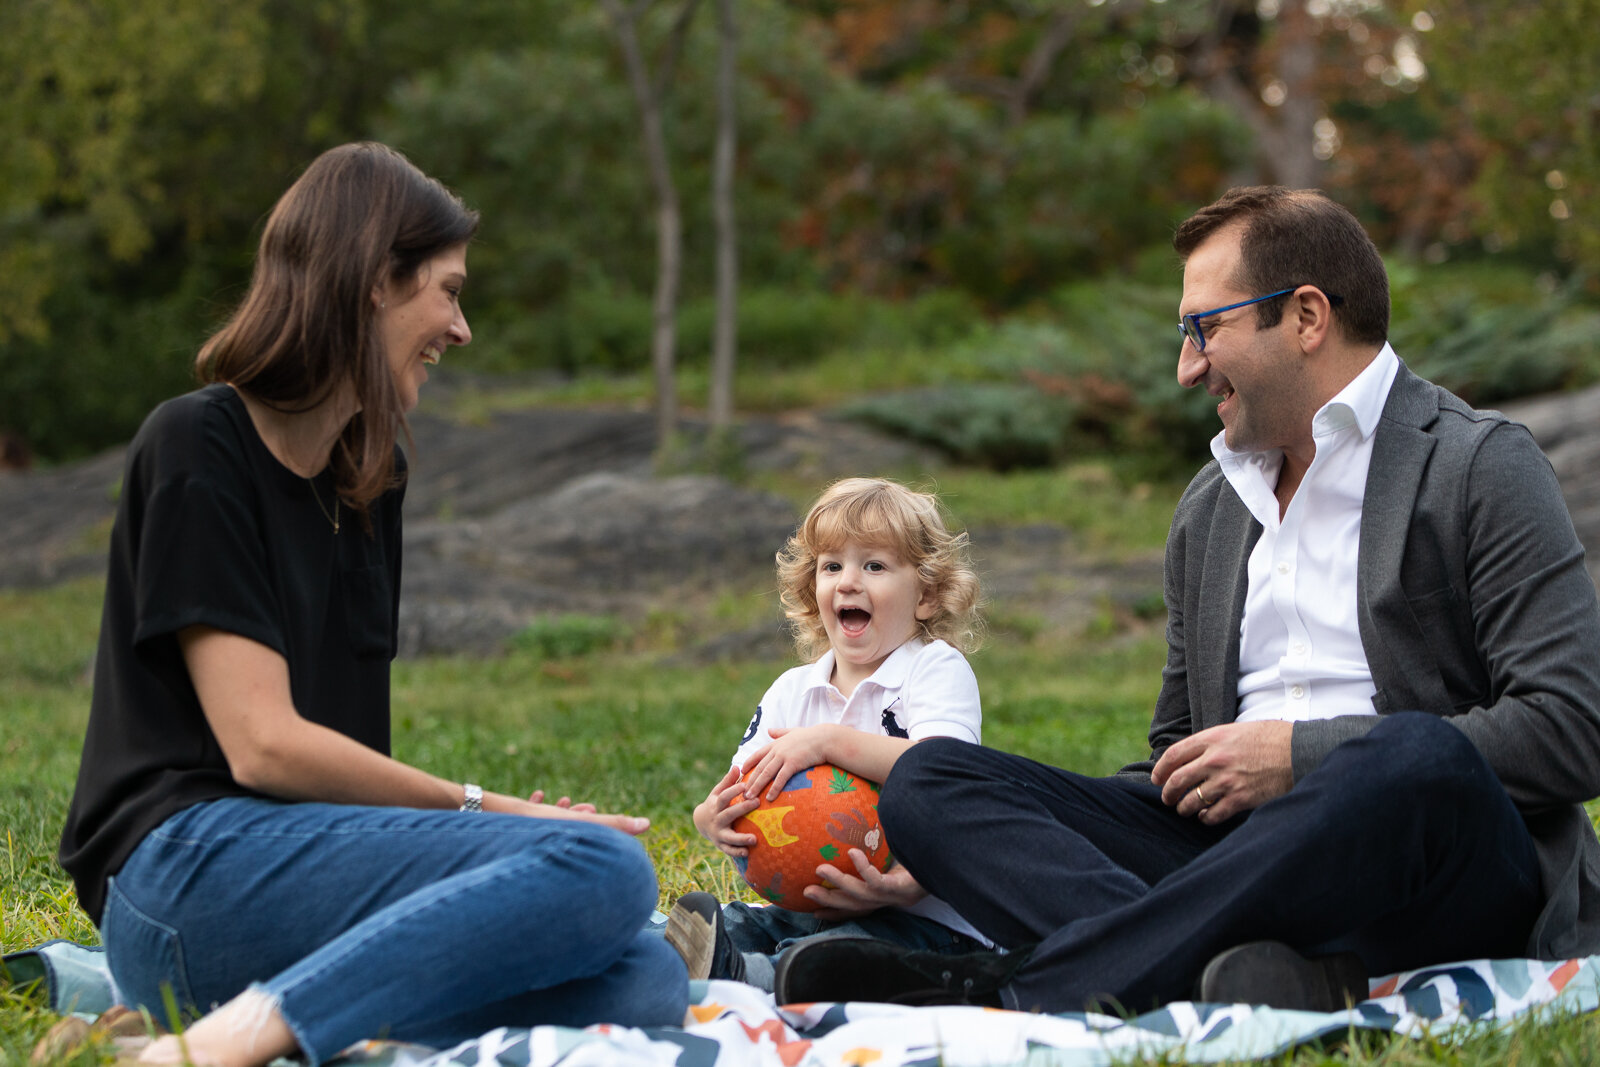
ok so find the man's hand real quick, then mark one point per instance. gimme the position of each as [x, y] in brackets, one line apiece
[715, 815]
[1221, 772]
[867, 890]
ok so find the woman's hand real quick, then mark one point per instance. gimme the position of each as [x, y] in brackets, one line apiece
[537, 797]
[244, 691]
[866, 890]
[715, 815]
[534, 808]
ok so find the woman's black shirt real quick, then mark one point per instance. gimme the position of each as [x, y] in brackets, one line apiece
[212, 530]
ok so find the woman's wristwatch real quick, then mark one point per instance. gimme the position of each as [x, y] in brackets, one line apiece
[473, 797]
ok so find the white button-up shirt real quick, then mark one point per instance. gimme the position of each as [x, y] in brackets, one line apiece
[1300, 652]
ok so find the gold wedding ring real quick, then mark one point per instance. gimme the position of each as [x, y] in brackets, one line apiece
[1204, 803]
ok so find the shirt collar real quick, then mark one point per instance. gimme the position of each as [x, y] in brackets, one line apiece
[1361, 402]
[817, 677]
[891, 673]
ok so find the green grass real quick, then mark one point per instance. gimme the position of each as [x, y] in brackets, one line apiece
[619, 726]
[620, 721]
[843, 374]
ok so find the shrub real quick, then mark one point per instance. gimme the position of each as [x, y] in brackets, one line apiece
[1091, 370]
[1491, 334]
[999, 426]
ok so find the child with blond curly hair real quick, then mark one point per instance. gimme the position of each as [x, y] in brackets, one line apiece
[883, 597]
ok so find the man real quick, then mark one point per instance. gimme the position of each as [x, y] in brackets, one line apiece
[1380, 711]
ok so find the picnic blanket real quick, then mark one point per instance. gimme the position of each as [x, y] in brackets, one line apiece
[735, 1025]
[730, 1024]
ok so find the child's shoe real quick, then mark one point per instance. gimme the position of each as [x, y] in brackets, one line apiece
[695, 929]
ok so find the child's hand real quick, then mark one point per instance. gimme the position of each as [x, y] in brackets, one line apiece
[793, 749]
[866, 890]
[715, 815]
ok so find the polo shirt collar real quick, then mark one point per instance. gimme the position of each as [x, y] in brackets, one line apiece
[891, 673]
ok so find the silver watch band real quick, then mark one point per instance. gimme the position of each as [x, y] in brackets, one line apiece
[473, 797]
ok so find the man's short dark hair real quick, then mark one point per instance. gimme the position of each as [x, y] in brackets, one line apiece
[1299, 237]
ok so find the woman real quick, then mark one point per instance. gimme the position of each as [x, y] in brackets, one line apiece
[239, 830]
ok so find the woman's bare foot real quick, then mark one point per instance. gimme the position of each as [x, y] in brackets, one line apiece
[248, 1031]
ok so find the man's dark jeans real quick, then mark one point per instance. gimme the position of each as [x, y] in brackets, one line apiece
[1402, 846]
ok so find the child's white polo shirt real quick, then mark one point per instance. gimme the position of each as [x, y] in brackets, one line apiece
[924, 689]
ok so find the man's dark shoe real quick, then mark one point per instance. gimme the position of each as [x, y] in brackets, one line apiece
[695, 929]
[1272, 973]
[861, 968]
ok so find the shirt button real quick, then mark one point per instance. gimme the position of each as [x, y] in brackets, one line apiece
[1283, 568]
[1299, 648]
[1298, 692]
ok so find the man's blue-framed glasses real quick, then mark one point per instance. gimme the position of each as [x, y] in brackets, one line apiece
[1189, 325]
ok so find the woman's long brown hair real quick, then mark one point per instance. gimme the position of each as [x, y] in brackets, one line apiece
[360, 215]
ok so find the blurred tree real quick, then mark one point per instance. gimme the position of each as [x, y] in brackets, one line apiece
[1526, 78]
[1005, 145]
[1261, 60]
[86, 86]
[988, 151]
[725, 336]
[102, 102]
[142, 143]
[650, 91]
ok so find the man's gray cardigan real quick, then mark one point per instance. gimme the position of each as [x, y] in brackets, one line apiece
[1473, 603]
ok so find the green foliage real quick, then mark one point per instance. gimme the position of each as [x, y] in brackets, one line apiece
[539, 132]
[1535, 107]
[105, 364]
[1492, 334]
[88, 88]
[607, 331]
[886, 194]
[144, 143]
[780, 327]
[1091, 370]
[998, 426]
[1073, 196]
[568, 636]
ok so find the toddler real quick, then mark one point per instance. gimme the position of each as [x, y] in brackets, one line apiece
[874, 582]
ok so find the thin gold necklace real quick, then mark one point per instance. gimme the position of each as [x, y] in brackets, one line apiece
[332, 519]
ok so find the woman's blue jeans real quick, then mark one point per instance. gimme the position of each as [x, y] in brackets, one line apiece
[422, 926]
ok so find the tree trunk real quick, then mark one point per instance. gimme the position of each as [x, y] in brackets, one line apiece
[669, 222]
[725, 339]
[1286, 134]
[1295, 157]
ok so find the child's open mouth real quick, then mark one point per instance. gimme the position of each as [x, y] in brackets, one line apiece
[853, 621]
